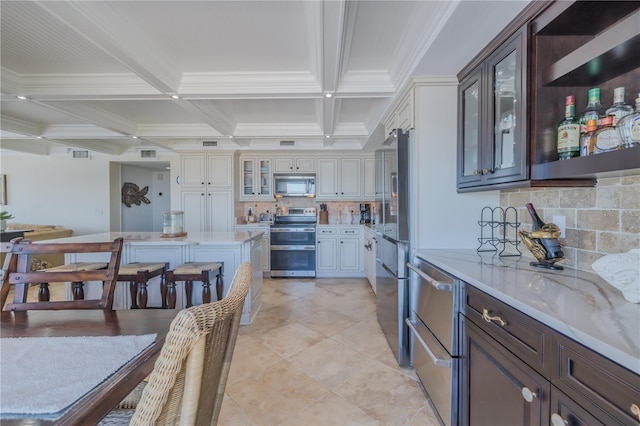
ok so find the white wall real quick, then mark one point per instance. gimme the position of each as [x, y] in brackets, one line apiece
[59, 190]
[441, 218]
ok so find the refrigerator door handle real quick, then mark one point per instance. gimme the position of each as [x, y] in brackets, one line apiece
[436, 361]
[436, 284]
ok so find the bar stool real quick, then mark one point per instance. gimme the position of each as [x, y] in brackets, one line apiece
[194, 271]
[77, 286]
[138, 275]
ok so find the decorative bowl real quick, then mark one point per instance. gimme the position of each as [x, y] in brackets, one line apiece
[621, 270]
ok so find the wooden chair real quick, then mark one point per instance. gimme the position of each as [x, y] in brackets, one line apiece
[188, 381]
[138, 275]
[17, 272]
[194, 271]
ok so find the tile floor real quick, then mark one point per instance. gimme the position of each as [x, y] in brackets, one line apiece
[315, 355]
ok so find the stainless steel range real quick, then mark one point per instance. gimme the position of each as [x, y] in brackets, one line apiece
[293, 243]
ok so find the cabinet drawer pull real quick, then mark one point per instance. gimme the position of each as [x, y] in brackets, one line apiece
[489, 318]
[635, 410]
[528, 395]
[557, 420]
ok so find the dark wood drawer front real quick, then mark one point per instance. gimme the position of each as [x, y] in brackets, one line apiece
[521, 334]
[601, 386]
[565, 411]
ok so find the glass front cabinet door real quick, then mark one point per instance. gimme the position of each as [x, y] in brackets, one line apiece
[256, 176]
[491, 122]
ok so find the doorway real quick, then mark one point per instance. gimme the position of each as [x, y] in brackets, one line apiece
[140, 193]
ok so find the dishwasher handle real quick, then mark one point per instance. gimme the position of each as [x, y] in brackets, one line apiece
[436, 361]
[438, 285]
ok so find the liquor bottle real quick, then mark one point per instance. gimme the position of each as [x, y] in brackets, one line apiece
[629, 127]
[594, 110]
[569, 131]
[551, 245]
[586, 139]
[606, 138]
[618, 109]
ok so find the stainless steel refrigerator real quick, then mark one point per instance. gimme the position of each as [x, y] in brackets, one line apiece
[392, 210]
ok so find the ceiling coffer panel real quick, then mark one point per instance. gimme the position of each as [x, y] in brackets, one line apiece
[248, 74]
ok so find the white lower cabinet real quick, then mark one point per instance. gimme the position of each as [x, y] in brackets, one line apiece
[339, 251]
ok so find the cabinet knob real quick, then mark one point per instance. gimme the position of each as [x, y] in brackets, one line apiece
[635, 410]
[489, 318]
[341, 242]
[528, 395]
[557, 420]
[208, 183]
[476, 172]
[486, 171]
[202, 183]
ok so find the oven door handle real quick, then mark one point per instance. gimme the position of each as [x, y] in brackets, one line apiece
[437, 361]
[438, 285]
[292, 248]
[293, 229]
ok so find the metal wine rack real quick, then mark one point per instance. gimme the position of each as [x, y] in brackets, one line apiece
[495, 224]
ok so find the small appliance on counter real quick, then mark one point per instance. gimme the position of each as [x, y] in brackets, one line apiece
[365, 213]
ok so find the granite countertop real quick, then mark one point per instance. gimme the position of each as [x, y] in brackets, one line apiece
[154, 238]
[578, 304]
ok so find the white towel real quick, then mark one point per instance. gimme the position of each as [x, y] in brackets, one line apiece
[42, 376]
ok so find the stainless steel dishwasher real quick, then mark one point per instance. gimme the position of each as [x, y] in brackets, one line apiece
[433, 325]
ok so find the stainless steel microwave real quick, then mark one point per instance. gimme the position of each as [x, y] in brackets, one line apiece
[288, 185]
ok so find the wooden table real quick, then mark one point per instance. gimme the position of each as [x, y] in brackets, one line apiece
[97, 403]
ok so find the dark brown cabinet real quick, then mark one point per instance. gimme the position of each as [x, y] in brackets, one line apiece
[559, 50]
[492, 99]
[497, 387]
[516, 370]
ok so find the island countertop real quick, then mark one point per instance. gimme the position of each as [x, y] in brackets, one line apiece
[578, 304]
[153, 238]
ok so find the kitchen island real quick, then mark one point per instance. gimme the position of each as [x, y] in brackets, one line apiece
[230, 248]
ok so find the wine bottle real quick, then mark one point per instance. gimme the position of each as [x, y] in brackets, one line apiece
[551, 245]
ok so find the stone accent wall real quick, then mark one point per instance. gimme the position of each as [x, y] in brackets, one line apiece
[599, 221]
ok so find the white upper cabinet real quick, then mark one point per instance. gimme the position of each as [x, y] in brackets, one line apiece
[206, 170]
[402, 116]
[256, 178]
[294, 165]
[339, 178]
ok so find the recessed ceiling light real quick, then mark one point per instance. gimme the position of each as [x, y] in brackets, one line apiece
[38, 137]
[134, 137]
[175, 97]
[327, 136]
[22, 97]
[230, 136]
[328, 95]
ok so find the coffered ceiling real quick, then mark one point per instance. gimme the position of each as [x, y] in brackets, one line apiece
[246, 74]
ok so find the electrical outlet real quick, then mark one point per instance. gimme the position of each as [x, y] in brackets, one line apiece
[561, 222]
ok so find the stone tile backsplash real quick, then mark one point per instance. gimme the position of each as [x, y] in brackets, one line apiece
[599, 221]
[336, 209]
